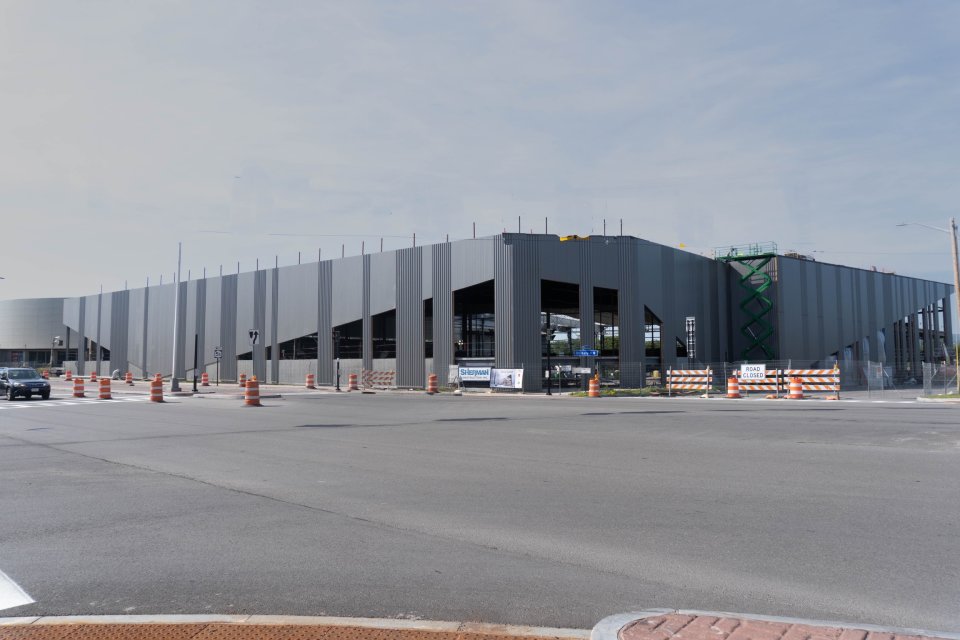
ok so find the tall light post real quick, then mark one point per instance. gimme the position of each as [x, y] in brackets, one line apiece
[956, 281]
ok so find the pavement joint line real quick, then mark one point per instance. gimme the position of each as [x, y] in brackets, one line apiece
[327, 621]
[609, 628]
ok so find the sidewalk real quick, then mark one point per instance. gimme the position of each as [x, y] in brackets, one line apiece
[213, 627]
[706, 625]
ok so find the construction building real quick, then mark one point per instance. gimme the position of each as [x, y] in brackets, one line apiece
[635, 308]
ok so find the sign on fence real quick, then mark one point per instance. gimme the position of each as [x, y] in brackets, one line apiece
[506, 378]
[753, 372]
[474, 374]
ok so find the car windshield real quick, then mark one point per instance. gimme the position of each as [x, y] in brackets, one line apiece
[22, 374]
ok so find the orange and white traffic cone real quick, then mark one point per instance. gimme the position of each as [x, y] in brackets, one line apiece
[733, 387]
[432, 384]
[311, 381]
[594, 389]
[128, 378]
[795, 389]
[156, 389]
[78, 387]
[105, 389]
[353, 384]
[251, 394]
[204, 379]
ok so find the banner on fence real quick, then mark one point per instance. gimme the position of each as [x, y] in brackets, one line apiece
[506, 378]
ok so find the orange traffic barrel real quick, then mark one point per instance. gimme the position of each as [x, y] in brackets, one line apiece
[594, 390]
[93, 376]
[432, 384]
[243, 380]
[204, 379]
[352, 384]
[311, 381]
[128, 378]
[251, 394]
[733, 387]
[78, 387]
[105, 388]
[795, 389]
[156, 389]
[68, 375]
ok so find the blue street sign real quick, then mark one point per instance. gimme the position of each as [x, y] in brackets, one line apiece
[586, 353]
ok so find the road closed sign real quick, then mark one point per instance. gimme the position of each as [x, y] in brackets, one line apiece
[753, 372]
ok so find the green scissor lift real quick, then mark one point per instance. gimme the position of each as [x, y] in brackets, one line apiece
[755, 281]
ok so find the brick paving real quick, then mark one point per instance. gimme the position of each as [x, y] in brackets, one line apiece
[228, 631]
[677, 626]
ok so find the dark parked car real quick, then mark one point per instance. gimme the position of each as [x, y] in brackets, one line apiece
[23, 382]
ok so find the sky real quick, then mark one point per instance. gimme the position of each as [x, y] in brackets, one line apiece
[254, 131]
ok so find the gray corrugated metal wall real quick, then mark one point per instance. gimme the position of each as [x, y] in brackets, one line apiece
[228, 326]
[632, 325]
[274, 314]
[367, 325]
[259, 322]
[822, 308]
[325, 355]
[517, 307]
[409, 305]
[442, 293]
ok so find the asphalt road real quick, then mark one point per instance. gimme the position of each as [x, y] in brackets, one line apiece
[538, 511]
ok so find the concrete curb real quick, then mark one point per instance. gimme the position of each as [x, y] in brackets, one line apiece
[609, 628]
[325, 621]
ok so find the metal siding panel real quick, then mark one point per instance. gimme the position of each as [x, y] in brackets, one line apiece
[473, 261]
[325, 355]
[367, 340]
[160, 323]
[200, 327]
[442, 294]
[517, 308]
[297, 308]
[181, 332]
[273, 320]
[584, 262]
[426, 271]
[347, 290]
[560, 261]
[246, 315]
[383, 281]
[409, 305]
[259, 321]
[135, 338]
[632, 346]
[229, 288]
[211, 321]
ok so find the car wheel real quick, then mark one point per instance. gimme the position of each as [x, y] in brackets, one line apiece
[10, 394]
[45, 396]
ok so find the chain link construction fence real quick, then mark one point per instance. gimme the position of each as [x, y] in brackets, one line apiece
[861, 378]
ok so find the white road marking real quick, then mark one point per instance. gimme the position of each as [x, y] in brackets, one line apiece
[11, 595]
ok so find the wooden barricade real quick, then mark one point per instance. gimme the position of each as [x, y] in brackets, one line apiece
[381, 379]
[772, 382]
[814, 380]
[689, 380]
